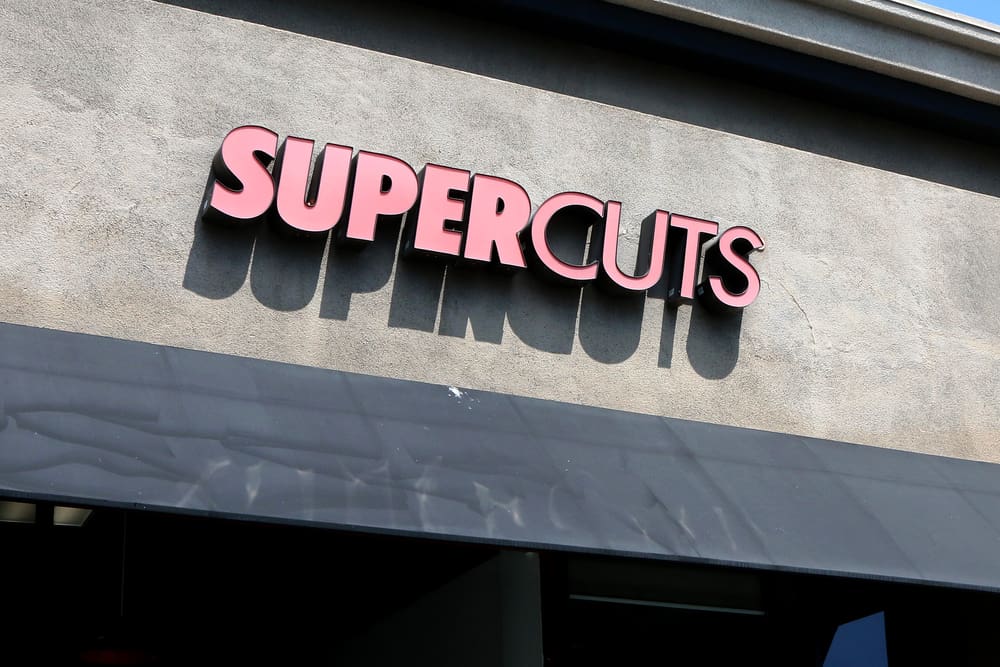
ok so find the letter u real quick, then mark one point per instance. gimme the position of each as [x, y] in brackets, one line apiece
[312, 207]
[652, 251]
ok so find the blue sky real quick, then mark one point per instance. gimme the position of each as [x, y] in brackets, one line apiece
[988, 10]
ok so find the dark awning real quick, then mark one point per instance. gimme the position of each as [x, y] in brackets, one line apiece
[97, 420]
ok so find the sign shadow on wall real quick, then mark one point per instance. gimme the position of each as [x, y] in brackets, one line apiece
[451, 299]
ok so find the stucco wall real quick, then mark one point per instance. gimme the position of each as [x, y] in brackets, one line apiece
[878, 318]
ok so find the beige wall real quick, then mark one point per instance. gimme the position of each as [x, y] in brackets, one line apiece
[878, 318]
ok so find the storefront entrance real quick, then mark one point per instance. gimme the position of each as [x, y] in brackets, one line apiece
[108, 586]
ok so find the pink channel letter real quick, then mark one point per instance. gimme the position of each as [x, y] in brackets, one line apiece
[243, 189]
[437, 208]
[369, 200]
[539, 237]
[739, 262]
[314, 207]
[609, 252]
[695, 228]
[499, 210]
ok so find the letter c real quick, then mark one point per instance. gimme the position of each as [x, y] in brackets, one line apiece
[539, 238]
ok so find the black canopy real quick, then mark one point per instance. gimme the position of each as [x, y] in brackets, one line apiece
[102, 421]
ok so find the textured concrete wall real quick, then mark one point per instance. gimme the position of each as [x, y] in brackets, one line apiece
[878, 318]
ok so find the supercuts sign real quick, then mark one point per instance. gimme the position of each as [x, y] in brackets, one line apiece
[474, 218]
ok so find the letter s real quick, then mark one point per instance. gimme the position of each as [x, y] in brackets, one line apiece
[732, 282]
[243, 189]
